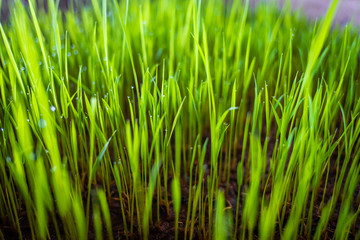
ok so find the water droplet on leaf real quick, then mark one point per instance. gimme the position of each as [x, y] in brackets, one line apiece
[42, 123]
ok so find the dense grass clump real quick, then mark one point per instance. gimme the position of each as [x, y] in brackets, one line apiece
[191, 119]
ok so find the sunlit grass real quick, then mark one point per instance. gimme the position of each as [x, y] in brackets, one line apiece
[232, 122]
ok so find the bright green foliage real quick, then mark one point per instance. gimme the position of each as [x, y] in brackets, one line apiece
[238, 122]
[222, 229]
[176, 196]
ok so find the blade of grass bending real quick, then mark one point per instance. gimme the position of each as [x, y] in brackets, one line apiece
[317, 46]
[12, 59]
[100, 156]
[175, 120]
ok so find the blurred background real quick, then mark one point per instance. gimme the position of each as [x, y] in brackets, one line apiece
[348, 9]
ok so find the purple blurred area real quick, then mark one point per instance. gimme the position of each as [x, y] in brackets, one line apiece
[63, 4]
[348, 9]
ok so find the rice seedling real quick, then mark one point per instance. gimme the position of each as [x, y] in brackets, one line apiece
[190, 119]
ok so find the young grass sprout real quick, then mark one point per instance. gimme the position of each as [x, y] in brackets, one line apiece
[192, 119]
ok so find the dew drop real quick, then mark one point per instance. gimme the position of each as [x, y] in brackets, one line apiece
[8, 159]
[42, 123]
[52, 108]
